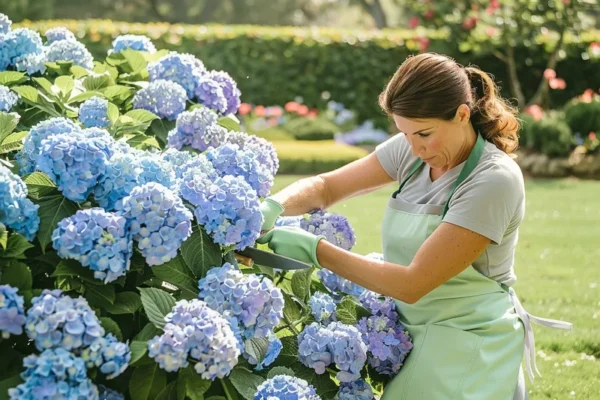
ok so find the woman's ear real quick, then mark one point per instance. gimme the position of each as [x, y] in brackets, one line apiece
[463, 114]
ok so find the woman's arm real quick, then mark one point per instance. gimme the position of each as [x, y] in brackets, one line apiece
[324, 190]
[446, 253]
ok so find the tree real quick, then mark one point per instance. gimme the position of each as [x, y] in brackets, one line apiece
[510, 24]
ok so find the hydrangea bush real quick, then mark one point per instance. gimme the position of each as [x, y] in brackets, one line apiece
[127, 186]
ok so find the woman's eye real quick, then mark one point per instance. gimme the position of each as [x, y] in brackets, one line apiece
[423, 134]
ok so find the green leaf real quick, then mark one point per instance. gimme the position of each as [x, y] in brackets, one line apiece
[13, 142]
[39, 185]
[3, 237]
[81, 97]
[125, 303]
[200, 253]
[52, 210]
[9, 383]
[17, 274]
[138, 350]
[65, 84]
[74, 269]
[112, 113]
[46, 85]
[79, 72]
[291, 311]
[301, 283]
[31, 96]
[117, 93]
[8, 123]
[135, 61]
[325, 386]
[148, 332]
[245, 382]
[147, 381]
[229, 123]
[9, 78]
[96, 81]
[289, 351]
[177, 273]
[280, 371]
[142, 116]
[190, 384]
[157, 303]
[101, 296]
[141, 141]
[346, 311]
[169, 392]
[28, 93]
[257, 348]
[110, 326]
[160, 129]
[16, 246]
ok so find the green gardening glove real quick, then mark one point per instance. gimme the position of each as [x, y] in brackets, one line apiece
[293, 242]
[270, 210]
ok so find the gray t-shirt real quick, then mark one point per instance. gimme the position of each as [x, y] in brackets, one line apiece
[491, 201]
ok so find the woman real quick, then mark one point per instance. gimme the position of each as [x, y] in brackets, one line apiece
[449, 233]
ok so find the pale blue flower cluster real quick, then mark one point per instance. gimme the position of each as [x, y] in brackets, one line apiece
[338, 343]
[27, 157]
[177, 159]
[322, 307]
[5, 24]
[32, 63]
[335, 227]
[263, 149]
[254, 302]
[109, 355]
[285, 387]
[17, 212]
[183, 69]
[134, 42]
[338, 284]
[210, 93]
[231, 93]
[356, 390]
[229, 211]
[195, 330]
[12, 312]
[70, 50]
[8, 98]
[59, 33]
[159, 221]
[197, 176]
[94, 112]
[230, 159]
[164, 98]
[97, 239]
[109, 394]
[196, 128]
[18, 43]
[54, 374]
[57, 320]
[74, 162]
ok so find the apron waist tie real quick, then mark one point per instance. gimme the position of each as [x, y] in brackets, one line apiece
[529, 340]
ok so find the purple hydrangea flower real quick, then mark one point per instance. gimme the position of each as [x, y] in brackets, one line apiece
[59, 33]
[108, 354]
[356, 390]
[97, 239]
[210, 93]
[231, 93]
[94, 112]
[349, 351]
[70, 50]
[322, 307]
[54, 374]
[160, 222]
[197, 176]
[335, 227]
[17, 212]
[336, 283]
[196, 128]
[284, 387]
[184, 69]
[314, 347]
[12, 312]
[194, 330]
[8, 98]
[164, 98]
[134, 42]
[56, 320]
[263, 149]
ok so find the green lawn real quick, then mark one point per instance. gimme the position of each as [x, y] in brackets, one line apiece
[558, 269]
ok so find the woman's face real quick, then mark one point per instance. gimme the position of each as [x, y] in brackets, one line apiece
[437, 142]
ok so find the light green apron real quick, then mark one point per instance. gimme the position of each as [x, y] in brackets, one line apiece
[470, 333]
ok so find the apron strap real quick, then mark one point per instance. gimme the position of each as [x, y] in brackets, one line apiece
[529, 339]
[415, 167]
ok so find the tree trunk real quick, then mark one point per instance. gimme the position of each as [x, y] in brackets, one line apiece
[515, 84]
[374, 8]
[541, 94]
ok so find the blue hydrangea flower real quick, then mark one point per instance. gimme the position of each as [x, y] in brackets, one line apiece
[263, 149]
[178, 159]
[349, 351]
[314, 347]
[164, 98]
[196, 128]
[16, 44]
[196, 179]
[336, 283]
[109, 355]
[184, 69]
[292, 220]
[194, 330]
[5, 24]
[97, 239]
[356, 390]
[109, 394]
[379, 305]
[285, 387]
[32, 63]
[94, 112]
[74, 162]
[27, 157]
[17, 212]
[160, 222]
[229, 159]
[12, 312]
[70, 50]
[8, 98]
[335, 227]
[154, 169]
[210, 93]
[254, 302]
[322, 307]
[273, 350]
[134, 42]
[57, 320]
[59, 33]
[54, 374]
[230, 90]
[229, 212]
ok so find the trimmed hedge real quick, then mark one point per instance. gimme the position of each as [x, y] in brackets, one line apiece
[273, 65]
[307, 158]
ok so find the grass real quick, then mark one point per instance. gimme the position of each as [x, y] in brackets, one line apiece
[558, 270]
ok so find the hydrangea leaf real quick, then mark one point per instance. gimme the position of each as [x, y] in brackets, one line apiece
[191, 385]
[8, 123]
[110, 326]
[280, 371]
[301, 283]
[245, 382]
[39, 185]
[200, 253]
[18, 275]
[8, 78]
[177, 273]
[125, 303]
[157, 303]
[147, 381]
[16, 245]
[52, 210]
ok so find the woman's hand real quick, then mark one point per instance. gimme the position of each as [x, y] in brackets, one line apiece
[270, 210]
[293, 242]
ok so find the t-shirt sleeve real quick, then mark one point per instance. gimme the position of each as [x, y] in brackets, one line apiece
[392, 154]
[490, 202]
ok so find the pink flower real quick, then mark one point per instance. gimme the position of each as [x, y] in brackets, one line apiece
[549, 74]
[313, 113]
[428, 14]
[535, 111]
[557, 83]
[587, 96]
[291, 106]
[244, 108]
[260, 111]
[491, 31]
[423, 43]
[592, 136]
[302, 110]
[469, 23]
[413, 22]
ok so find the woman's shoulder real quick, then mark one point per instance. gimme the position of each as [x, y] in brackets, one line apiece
[395, 155]
[498, 168]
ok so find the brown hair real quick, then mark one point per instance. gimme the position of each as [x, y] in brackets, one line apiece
[431, 85]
